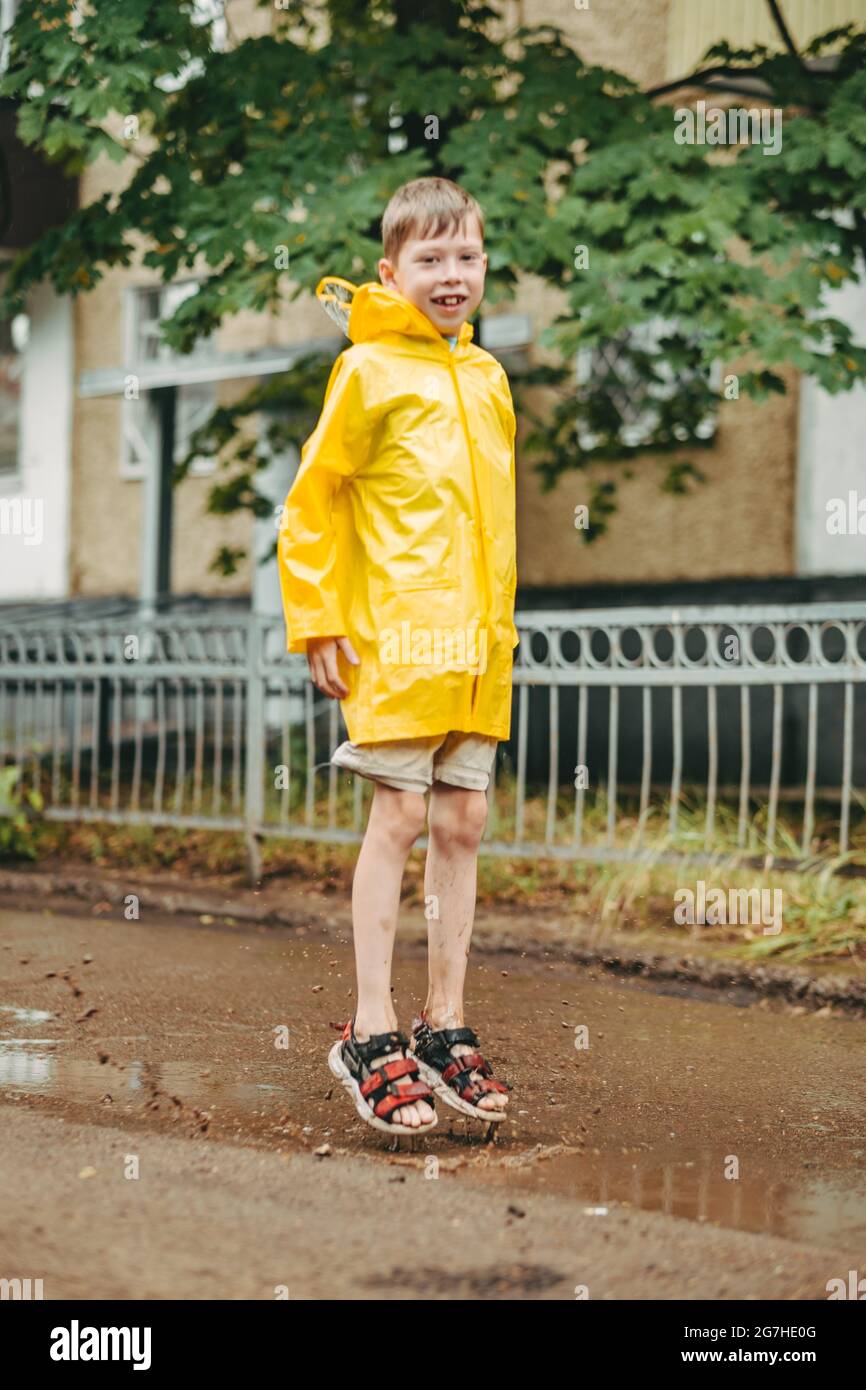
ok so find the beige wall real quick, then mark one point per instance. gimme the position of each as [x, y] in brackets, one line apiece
[628, 35]
[740, 523]
[695, 24]
[106, 521]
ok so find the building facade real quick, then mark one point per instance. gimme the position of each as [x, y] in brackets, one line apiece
[76, 440]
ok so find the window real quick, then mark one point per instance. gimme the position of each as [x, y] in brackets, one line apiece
[196, 400]
[612, 368]
[8, 9]
[153, 305]
[509, 337]
[14, 334]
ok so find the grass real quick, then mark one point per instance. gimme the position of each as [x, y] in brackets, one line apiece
[824, 914]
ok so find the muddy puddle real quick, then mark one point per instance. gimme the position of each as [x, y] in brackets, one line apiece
[675, 1099]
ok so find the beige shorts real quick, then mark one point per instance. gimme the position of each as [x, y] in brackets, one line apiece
[414, 764]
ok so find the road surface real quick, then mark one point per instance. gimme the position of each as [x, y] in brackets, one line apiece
[170, 1129]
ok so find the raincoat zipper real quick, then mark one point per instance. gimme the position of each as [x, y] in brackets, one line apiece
[476, 683]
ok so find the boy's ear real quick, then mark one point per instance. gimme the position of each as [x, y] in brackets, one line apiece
[386, 272]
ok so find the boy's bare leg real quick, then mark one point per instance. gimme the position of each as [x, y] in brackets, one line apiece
[456, 824]
[396, 820]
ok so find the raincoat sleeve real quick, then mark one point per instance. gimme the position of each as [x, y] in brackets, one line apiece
[515, 635]
[307, 549]
[512, 425]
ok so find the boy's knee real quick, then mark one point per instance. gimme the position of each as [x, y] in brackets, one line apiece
[401, 814]
[459, 817]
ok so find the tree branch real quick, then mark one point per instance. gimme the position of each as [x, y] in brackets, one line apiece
[784, 32]
[698, 79]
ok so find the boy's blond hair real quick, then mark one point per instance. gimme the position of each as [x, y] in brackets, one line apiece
[427, 207]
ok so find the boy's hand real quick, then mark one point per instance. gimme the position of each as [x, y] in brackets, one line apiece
[322, 661]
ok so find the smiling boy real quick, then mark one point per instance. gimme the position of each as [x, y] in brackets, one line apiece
[401, 520]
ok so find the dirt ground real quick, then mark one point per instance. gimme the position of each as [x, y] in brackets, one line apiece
[171, 1129]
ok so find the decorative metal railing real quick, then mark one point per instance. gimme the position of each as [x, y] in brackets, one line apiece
[634, 731]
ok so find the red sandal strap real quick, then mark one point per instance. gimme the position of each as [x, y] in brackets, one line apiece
[407, 1094]
[389, 1071]
[433, 1047]
[474, 1061]
[491, 1084]
[473, 1090]
[470, 1087]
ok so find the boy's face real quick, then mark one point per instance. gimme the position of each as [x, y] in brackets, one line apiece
[434, 273]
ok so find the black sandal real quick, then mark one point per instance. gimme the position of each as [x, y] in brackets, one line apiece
[451, 1077]
[351, 1061]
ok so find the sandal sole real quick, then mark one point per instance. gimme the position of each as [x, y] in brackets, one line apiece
[346, 1079]
[450, 1097]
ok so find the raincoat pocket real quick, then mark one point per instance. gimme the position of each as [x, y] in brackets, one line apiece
[425, 627]
[441, 573]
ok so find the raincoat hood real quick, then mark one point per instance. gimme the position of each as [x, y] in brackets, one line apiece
[398, 531]
[374, 310]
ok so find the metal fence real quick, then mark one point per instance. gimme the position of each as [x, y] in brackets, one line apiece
[634, 731]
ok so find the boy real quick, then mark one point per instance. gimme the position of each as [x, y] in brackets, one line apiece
[397, 570]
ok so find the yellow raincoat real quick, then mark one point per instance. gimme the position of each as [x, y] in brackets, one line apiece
[399, 528]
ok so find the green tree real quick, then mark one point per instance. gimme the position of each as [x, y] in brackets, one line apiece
[276, 155]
